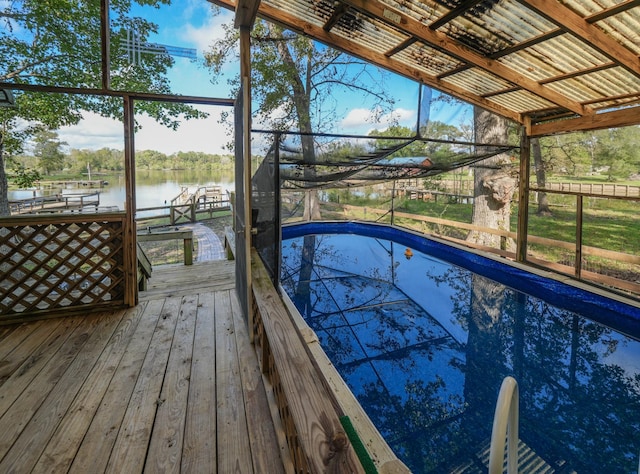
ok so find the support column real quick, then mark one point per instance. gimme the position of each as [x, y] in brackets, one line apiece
[129, 245]
[105, 44]
[245, 76]
[523, 192]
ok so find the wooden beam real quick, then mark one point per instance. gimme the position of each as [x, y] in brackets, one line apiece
[246, 11]
[581, 72]
[592, 35]
[338, 13]
[618, 118]
[402, 46]
[613, 10]
[130, 244]
[442, 42]
[105, 44]
[453, 13]
[523, 194]
[527, 43]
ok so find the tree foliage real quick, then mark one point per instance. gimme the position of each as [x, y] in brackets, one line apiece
[434, 130]
[614, 153]
[293, 77]
[24, 177]
[108, 160]
[294, 84]
[57, 43]
[48, 150]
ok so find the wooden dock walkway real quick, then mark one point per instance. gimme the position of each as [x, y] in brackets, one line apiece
[172, 385]
[58, 203]
[209, 245]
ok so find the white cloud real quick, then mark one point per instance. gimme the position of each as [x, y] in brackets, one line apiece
[95, 132]
[356, 118]
[402, 116]
[205, 135]
[361, 119]
[202, 36]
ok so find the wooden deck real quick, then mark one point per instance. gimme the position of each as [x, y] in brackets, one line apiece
[172, 385]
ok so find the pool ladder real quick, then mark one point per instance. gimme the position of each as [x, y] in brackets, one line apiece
[505, 422]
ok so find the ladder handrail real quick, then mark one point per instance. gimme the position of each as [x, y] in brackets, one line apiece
[505, 421]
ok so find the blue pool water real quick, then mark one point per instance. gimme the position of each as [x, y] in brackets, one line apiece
[424, 343]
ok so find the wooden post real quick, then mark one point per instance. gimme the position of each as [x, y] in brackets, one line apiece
[523, 192]
[188, 251]
[130, 244]
[105, 44]
[245, 74]
[579, 205]
[393, 195]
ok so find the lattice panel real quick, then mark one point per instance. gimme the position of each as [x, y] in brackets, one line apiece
[52, 266]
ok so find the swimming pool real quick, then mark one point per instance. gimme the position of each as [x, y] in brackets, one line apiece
[424, 333]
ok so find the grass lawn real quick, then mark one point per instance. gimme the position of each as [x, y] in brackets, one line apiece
[615, 228]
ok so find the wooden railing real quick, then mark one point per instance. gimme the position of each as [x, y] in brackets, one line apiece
[185, 235]
[576, 248]
[594, 189]
[457, 188]
[53, 264]
[57, 203]
[183, 214]
[316, 439]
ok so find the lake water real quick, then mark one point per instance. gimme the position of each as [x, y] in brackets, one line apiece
[153, 188]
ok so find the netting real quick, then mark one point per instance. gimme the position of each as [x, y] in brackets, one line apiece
[330, 160]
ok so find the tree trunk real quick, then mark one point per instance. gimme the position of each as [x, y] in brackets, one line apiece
[541, 178]
[311, 202]
[493, 185]
[301, 99]
[4, 185]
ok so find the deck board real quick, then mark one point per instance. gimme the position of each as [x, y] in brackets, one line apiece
[200, 425]
[172, 385]
[233, 437]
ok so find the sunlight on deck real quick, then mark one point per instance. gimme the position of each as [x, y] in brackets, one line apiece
[170, 385]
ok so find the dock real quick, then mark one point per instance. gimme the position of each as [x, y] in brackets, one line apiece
[56, 203]
[72, 184]
[170, 385]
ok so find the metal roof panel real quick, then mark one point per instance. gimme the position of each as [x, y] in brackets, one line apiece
[571, 57]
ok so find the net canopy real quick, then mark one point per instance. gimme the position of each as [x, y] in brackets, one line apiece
[333, 160]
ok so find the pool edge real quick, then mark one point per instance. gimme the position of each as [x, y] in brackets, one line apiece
[610, 308]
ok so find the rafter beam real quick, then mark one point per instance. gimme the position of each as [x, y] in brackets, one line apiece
[618, 118]
[335, 18]
[454, 13]
[246, 11]
[442, 42]
[581, 28]
[613, 10]
[352, 47]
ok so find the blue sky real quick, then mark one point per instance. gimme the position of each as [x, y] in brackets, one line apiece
[192, 24]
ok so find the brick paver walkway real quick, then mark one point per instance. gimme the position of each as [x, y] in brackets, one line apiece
[209, 245]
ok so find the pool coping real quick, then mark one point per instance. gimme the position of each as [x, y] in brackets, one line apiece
[381, 453]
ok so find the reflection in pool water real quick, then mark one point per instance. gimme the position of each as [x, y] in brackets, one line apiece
[424, 346]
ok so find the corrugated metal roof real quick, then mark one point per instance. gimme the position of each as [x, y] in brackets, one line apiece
[525, 59]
